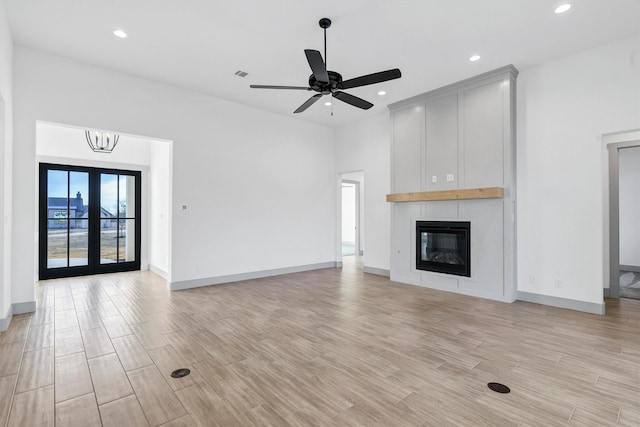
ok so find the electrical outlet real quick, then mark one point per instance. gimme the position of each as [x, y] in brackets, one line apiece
[450, 177]
[558, 284]
[434, 179]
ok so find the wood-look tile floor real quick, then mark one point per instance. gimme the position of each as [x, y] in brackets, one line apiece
[330, 347]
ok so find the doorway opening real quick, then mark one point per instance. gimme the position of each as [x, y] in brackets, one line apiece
[350, 217]
[151, 158]
[624, 211]
[629, 221]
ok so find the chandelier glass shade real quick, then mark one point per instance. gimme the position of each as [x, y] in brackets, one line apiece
[101, 142]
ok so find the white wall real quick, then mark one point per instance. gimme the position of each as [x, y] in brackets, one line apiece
[364, 146]
[259, 187]
[6, 143]
[629, 184]
[564, 107]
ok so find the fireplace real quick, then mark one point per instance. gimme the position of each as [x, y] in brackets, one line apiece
[444, 247]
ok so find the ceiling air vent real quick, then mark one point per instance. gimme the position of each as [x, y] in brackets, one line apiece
[241, 73]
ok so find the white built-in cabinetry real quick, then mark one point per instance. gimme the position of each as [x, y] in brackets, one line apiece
[458, 137]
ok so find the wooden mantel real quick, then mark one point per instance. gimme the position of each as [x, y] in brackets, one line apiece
[463, 194]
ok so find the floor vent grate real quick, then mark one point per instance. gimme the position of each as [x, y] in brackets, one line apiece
[499, 388]
[180, 373]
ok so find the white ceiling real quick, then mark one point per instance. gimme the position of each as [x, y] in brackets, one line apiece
[200, 44]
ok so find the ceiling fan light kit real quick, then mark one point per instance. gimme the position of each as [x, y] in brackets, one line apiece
[327, 82]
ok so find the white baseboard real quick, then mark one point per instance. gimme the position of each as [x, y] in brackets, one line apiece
[160, 272]
[570, 304]
[206, 281]
[378, 271]
[23, 307]
[17, 308]
[5, 320]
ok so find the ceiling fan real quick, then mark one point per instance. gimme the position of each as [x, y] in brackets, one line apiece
[329, 82]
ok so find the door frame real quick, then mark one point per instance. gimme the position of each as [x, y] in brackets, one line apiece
[613, 143]
[94, 266]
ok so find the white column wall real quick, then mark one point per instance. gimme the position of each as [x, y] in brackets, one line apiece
[258, 187]
[160, 178]
[6, 143]
[564, 107]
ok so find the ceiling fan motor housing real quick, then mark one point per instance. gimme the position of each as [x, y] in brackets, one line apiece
[326, 88]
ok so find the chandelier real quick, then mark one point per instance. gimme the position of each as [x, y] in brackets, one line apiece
[101, 142]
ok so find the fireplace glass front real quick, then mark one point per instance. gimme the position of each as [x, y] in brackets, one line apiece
[443, 247]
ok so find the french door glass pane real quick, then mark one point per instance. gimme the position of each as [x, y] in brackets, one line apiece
[57, 184]
[108, 195]
[79, 194]
[67, 218]
[57, 243]
[108, 240]
[127, 192]
[79, 242]
[127, 240]
[108, 218]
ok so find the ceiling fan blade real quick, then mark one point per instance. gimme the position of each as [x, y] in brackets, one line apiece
[317, 65]
[279, 87]
[353, 100]
[308, 103]
[370, 79]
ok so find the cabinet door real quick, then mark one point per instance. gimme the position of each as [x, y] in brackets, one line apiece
[406, 149]
[442, 144]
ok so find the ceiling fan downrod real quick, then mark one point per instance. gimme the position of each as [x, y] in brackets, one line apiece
[324, 24]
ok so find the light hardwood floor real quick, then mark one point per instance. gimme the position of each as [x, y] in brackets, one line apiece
[324, 348]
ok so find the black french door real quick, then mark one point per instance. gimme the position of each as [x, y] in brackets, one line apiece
[89, 220]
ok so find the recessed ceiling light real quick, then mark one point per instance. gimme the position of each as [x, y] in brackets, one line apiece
[563, 8]
[328, 103]
[382, 93]
[120, 33]
[474, 58]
